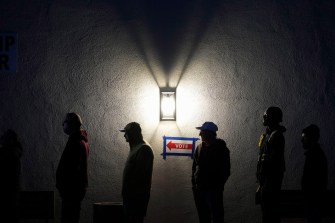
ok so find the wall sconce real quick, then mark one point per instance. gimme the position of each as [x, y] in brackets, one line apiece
[168, 104]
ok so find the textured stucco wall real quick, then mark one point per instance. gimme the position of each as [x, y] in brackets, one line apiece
[229, 60]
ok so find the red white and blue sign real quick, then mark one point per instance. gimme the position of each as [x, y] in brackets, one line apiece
[178, 146]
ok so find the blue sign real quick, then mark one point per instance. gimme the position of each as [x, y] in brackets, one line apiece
[8, 52]
[178, 146]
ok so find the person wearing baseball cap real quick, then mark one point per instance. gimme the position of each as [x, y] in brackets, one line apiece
[210, 171]
[137, 174]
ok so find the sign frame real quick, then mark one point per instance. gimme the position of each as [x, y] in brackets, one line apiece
[166, 138]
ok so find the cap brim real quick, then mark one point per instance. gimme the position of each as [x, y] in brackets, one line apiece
[122, 130]
[198, 128]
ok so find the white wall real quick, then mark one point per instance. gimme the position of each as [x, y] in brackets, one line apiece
[229, 61]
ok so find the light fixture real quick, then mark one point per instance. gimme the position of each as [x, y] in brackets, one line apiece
[168, 104]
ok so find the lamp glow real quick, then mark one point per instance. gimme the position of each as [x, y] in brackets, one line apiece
[168, 105]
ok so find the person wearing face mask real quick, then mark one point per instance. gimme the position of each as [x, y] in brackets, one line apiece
[271, 165]
[210, 171]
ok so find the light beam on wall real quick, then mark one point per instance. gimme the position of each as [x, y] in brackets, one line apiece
[168, 104]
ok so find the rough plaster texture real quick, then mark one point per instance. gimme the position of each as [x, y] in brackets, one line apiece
[229, 60]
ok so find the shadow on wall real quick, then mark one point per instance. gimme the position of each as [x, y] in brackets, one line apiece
[166, 23]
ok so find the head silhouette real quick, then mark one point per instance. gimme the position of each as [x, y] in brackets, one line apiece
[272, 116]
[133, 133]
[9, 138]
[208, 132]
[310, 136]
[72, 123]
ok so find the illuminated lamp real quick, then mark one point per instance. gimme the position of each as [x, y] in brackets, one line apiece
[168, 104]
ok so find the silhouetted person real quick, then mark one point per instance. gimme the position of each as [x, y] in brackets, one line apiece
[137, 174]
[10, 168]
[71, 176]
[271, 165]
[210, 171]
[315, 176]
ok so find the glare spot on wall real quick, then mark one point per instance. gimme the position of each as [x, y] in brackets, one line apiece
[148, 107]
[188, 105]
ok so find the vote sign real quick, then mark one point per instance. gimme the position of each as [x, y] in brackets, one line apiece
[178, 146]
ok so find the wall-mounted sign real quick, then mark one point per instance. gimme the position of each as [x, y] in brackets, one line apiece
[178, 146]
[8, 52]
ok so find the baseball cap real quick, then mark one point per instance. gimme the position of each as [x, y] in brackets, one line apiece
[208, 126]
[133, 126]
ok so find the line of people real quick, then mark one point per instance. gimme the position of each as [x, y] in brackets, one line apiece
[271, 168]
[210, 171]
[71, 175]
